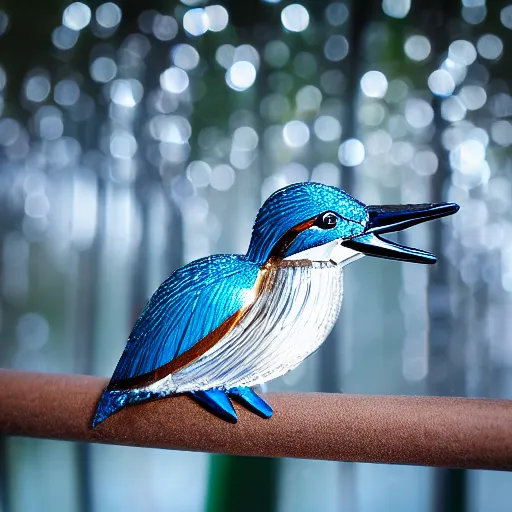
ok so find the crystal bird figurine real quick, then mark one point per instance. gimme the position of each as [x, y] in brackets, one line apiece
[221, 325]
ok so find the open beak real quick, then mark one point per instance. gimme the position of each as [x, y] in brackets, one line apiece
[387, 219]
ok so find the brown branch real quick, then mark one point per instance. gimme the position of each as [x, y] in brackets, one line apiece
[431, 431]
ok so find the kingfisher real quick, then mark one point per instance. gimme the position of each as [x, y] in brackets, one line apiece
[225, 324]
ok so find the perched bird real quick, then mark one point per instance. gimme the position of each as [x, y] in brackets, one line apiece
[223, 324]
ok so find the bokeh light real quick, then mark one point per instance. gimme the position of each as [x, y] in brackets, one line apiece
[171, 129]
[453, 110]
[506, 16]
[490, 46]
[457, 71]
[501, 133]
[378, 142]
[336, 13]
[473, 96]
[195, 22]
[308, 99]
[417, 48]
[165, 28]
[374, 84]
[327, 128]
[103, 69]
[49, 123]
[199, 172]
[241, 75]
[305, 65]
[122, 145]
[351, 152]
[474, 14]
[295, 134]
[64, 38]
[295, 18]
[37, 88]
[336, 48]
[326, 173]
[66, 93]
[185, 56]
[396, 8]
[4, 22]
[462, 52]
[277, 53]
[76, 16]
[218, 17]
[418, 113]
[222, 177]
[9, 131]
[441, 83]
[174, 80]
[425, 162]
[3, 78]
[225, 55]
[108, 15]
[198, 21]
[126, 92]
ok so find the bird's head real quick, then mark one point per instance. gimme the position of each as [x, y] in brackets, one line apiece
[304, 216]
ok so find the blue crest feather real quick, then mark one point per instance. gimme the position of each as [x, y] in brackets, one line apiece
[292, 205]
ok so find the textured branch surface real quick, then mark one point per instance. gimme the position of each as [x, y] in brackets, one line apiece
[433, 431]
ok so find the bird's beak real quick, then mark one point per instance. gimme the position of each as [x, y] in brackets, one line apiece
[387, 219]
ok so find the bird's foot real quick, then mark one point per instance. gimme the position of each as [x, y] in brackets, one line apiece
[216, 401]
[248, 398]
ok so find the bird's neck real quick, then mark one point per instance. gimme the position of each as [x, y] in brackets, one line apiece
[332, 252]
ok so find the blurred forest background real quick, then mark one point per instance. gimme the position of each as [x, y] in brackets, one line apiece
[137, 136]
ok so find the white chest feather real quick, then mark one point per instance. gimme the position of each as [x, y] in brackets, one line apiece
[293, 313]
[289, 320]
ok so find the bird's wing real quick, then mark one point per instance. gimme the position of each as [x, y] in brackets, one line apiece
[190, 304]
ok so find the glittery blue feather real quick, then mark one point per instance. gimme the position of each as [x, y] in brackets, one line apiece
[292, 205]
[191, 303]
[113, 400]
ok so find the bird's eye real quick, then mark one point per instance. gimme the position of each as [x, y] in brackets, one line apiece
[327, 221]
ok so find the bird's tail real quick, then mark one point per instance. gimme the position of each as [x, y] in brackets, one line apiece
[114, 399]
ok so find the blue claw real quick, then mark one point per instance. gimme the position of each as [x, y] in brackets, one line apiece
[216, 401]
[248, 398]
